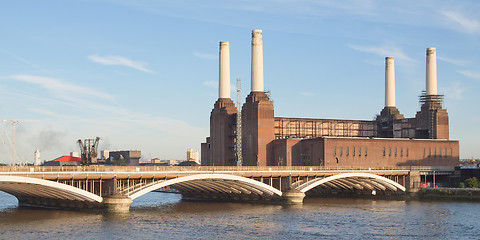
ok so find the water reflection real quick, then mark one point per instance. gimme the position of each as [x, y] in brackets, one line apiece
[165, 216]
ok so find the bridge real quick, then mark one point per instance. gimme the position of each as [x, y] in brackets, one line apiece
[114, 188]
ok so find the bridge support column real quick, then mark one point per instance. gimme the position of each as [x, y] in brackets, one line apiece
[289, 194]
[413, 183]
[117, 203]
[293, 197]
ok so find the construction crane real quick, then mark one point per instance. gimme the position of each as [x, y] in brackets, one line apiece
[89, 150]
[12, 143]
[239, 123]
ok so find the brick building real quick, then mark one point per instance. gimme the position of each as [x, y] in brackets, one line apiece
[388, 140]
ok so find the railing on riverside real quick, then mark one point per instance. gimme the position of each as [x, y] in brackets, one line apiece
[100, 168]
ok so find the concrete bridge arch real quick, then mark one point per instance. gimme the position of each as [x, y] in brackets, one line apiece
[353, 181]
[30, 190]
[220, 183]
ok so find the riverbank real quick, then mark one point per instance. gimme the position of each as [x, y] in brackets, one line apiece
[463, 194]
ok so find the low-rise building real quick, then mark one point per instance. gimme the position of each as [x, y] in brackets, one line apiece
[124, 158]
[64, 161]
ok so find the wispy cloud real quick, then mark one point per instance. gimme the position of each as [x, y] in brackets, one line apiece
[469, 25]
[454, 91]
[212, 84]
[383, 51]
[307, 94]
[453, 61]
[470, 74]
[206, 56]
[60, 87]
[119, 61]
[26, 61]
[46, 112]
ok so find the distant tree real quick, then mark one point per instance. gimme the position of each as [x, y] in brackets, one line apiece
[472, 182]
[461, 185]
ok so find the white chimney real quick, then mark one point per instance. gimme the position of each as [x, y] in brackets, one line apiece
[224, 71]
[431, 71]
[257, 61]
[389, 82]
[38, 160]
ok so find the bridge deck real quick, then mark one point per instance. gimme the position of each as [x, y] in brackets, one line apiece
[167, 172]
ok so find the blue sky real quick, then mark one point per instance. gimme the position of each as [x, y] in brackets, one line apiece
[143, 74]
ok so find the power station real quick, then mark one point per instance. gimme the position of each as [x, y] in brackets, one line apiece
[387, 141]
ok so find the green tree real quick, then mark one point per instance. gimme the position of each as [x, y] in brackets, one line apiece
[472, 182]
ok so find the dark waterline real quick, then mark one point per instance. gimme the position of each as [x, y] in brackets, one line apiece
[165, 216]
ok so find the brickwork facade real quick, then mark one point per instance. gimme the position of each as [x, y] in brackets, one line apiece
[366, 152]
[219, 148]
[257, 130]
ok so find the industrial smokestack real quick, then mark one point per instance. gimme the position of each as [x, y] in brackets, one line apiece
[389, 82]
[431, 71]
[224, 71]
[257, 61]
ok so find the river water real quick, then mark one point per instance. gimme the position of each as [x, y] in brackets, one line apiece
[165, 216]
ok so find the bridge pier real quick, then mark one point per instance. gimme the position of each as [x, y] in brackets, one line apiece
[413, 182]
[289, 194]
[293, 197]
[117, 203]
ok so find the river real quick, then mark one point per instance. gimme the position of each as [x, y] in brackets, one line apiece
[165, 216]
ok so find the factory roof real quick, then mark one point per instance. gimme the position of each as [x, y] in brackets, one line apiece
[68, 159]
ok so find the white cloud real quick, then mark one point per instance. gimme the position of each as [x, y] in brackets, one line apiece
[452, 61]
[383, 51]
[212, 84]
[61, 88]
[206, 56]
[46, 112]
[454, 91]
[307, 94]
[469, 74]
[468, 25]
[119, 61]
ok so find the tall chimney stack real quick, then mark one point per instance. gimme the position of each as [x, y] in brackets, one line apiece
[389, 82]
[257, 61]
[224, 71]
[431, 71]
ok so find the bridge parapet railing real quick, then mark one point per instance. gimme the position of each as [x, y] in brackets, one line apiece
[101, 168]
[433, 168]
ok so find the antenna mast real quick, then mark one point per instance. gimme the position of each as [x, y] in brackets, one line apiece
[239, 123]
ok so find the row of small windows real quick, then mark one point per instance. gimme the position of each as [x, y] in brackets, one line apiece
[391, 152]
[445, 153]
[396, 152]
[347, 151]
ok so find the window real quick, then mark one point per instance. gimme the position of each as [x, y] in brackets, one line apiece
[439, 152]
[353, 151]
[395, 152]
[401, 152]
[346, 152]
[389, 152]
[359, 151]
[384, 152]
[435, 152]
[451, 152]
[341, 151]
[406, 154]
[367, 149]
[334, 151]
[423, 152]
[429, 152]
